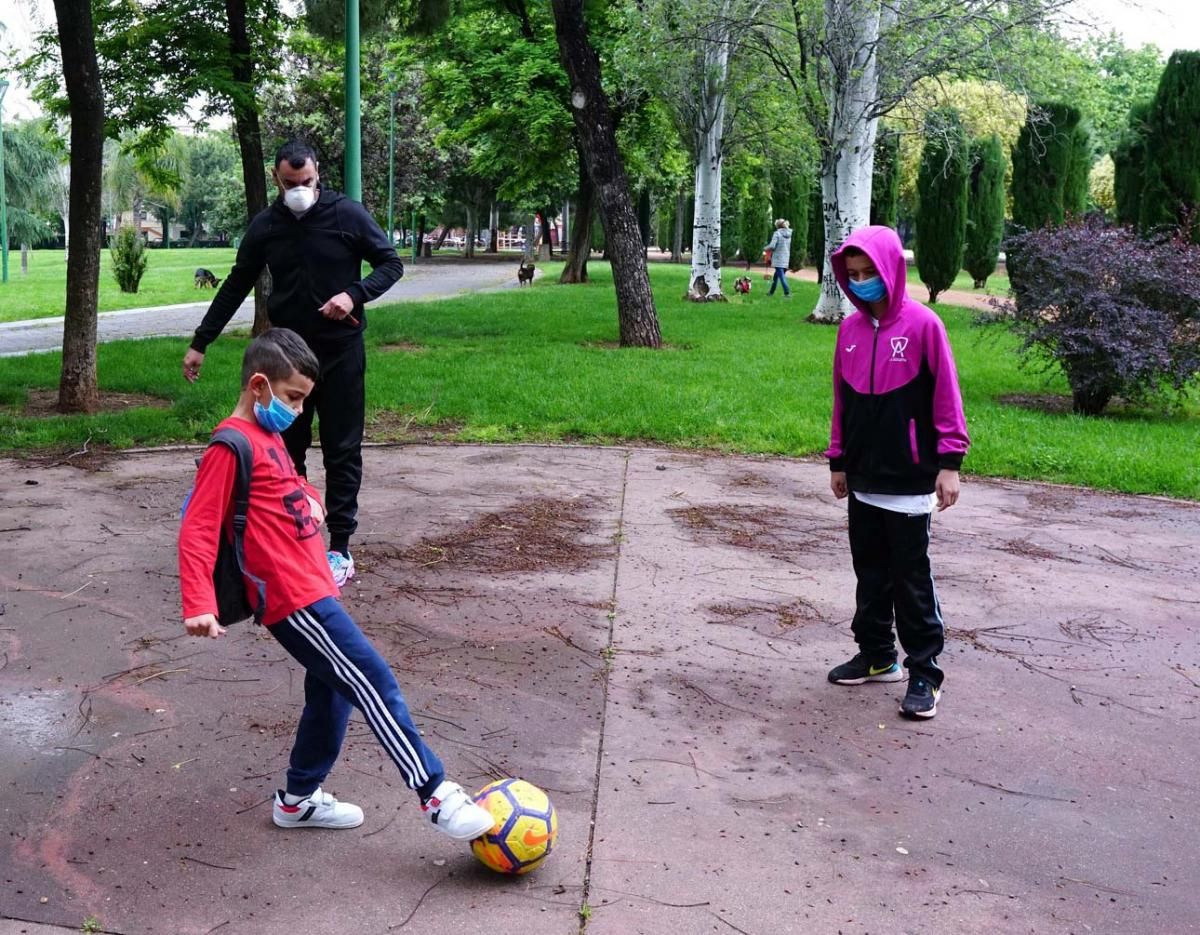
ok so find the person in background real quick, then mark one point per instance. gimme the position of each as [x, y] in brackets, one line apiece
[314, 241]
[781, 254]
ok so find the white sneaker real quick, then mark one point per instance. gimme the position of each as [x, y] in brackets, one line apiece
[319, 810]
[342, 567]
[455, 813]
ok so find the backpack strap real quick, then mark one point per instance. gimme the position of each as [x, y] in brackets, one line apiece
[239, 444]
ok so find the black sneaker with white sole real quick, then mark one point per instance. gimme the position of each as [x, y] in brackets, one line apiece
[860, 669]
[921, 698]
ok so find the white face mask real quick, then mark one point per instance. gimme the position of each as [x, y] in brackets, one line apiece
[299, 199]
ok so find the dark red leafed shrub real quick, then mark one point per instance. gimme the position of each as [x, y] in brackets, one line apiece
[1119, 314]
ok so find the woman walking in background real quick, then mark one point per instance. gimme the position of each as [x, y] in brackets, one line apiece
[780, 249]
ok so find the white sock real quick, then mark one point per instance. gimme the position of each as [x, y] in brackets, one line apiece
[289, 799]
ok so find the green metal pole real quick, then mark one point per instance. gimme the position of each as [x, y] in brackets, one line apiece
[391, 168]
[353, 106]
[414, 234]
[3, 194]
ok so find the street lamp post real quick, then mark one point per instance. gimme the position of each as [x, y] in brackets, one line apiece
[392, 169]
[3, 195]
[353, 105]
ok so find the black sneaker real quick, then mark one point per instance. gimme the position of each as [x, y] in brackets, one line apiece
[860, 669]
[921, 698]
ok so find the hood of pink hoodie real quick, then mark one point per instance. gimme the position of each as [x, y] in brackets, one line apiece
[883, 246]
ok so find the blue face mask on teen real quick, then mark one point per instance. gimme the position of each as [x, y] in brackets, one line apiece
[276, 417]
[869, 290]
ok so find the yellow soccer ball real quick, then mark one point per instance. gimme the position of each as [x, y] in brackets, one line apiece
[525, 829]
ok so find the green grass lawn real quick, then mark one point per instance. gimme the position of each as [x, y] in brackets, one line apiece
[169, 280]
[539, 364]
[997, 285]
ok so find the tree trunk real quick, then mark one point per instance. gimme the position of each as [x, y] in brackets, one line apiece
[469, 239]
[643, 210]
[24, 259]
[77, 387]
[530, 239]
[64, 207]
[706, 229]
[677, 239]
[245, 118]
[848, 151]
[581, 235]
[547, 251]
[493, 228]
[593, 121]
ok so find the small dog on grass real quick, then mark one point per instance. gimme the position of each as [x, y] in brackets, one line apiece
[525, 273]
[742, 285]
[206, 280]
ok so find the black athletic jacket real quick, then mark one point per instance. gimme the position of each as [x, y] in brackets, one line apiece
[311, 258]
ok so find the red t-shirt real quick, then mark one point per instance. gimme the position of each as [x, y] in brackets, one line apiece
[283, 544]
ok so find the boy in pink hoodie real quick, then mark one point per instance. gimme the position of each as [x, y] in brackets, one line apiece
[895, 448]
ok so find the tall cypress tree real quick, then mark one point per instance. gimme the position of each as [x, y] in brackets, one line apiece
[816, 227]
[942, 209]
[1076, 188]
[1172, 181]
[885, 183]
[1129, 164]
[985, 209]
[1041, 164]
[790, 199]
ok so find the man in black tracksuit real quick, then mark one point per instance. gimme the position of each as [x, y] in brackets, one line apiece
[314, 242]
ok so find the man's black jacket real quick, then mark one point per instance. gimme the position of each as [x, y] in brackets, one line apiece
[312, 258]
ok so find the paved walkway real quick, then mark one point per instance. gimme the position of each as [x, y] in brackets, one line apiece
[437, 279]
[645, 634]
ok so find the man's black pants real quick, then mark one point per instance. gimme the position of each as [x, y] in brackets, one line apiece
[891, 560]
[339, 401]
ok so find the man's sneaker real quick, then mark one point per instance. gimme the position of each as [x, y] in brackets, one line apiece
[319, 810]
[860, 669]
[921, 698]
[342, 567]
[455, 813]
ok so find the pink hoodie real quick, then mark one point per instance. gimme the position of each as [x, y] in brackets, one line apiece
[897, 412]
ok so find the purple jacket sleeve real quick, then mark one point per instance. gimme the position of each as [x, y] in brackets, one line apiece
[949, 421]
[835, 451]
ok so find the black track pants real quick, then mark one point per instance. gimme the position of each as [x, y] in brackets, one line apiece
[339, 401]
[891, 560]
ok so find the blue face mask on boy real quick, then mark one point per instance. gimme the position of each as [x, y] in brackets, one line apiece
[869, 290]
[276, 417]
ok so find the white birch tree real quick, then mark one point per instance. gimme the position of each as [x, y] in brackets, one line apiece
[693, 48]
[851, 62]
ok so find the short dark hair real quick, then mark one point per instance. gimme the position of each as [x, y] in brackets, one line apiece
[277, 353]
[853, 251]
[295, 153]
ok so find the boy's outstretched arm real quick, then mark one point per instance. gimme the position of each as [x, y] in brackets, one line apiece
[200, 538]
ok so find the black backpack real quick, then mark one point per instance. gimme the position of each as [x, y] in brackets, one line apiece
[229, 573]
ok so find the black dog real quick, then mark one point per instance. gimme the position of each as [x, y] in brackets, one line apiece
[206, 279]
[525, 273]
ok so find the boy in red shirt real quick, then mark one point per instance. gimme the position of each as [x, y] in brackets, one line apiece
[895, 448]
[284, 550]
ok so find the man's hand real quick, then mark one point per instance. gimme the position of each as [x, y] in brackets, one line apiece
[193, 360]
[203, 625]
[314, 507]
[947, 489]
[837, 483]
[339, 307]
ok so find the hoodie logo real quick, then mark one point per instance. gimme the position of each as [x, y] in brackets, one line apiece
[898, 346]
[850, 348]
